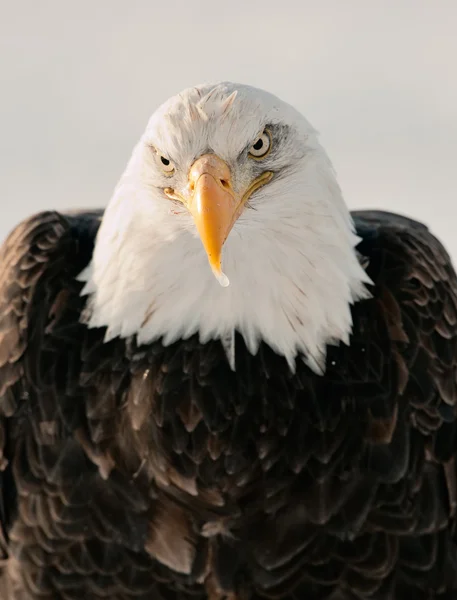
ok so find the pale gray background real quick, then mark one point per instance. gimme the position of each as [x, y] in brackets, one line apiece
[377, 78]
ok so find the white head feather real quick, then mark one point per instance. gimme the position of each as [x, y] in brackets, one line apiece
[290, 256]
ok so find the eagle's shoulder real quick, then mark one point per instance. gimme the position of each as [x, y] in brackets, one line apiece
[406, 241]
[416, 293]
[36, 258]
[39, 261]
[404, 256]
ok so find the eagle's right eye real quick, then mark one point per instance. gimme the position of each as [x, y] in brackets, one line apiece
[165, 164]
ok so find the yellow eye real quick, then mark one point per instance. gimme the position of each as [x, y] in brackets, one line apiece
[165, 164]
[262, 146]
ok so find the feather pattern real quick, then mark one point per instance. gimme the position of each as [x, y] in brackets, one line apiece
[156, 471]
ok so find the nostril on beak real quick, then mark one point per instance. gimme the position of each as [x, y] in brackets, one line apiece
[225, 184]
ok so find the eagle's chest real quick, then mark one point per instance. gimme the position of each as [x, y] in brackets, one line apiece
[230, 459]
[232, 442]
[177, 462]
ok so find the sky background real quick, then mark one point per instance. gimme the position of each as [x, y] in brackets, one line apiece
[377, 78]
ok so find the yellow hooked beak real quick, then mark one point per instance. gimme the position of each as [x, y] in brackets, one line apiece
[215, 207]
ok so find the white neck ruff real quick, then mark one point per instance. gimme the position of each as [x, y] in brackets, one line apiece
[292, 266]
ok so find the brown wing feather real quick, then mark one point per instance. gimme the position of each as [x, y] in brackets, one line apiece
[79, 514]
[412, 266]
[20, 269]
[158, 472]
[23, 259]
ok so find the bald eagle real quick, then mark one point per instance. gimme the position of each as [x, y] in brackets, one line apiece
[226, 385]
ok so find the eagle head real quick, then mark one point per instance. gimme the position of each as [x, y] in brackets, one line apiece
[227, 218]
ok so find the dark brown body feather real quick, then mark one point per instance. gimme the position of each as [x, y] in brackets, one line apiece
[151, 472]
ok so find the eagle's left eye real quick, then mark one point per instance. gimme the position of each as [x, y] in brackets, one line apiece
[262, 146]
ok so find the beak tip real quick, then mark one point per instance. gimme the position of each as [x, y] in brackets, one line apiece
[221, 278]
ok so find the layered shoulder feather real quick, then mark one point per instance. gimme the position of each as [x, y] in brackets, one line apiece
[38, 262]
